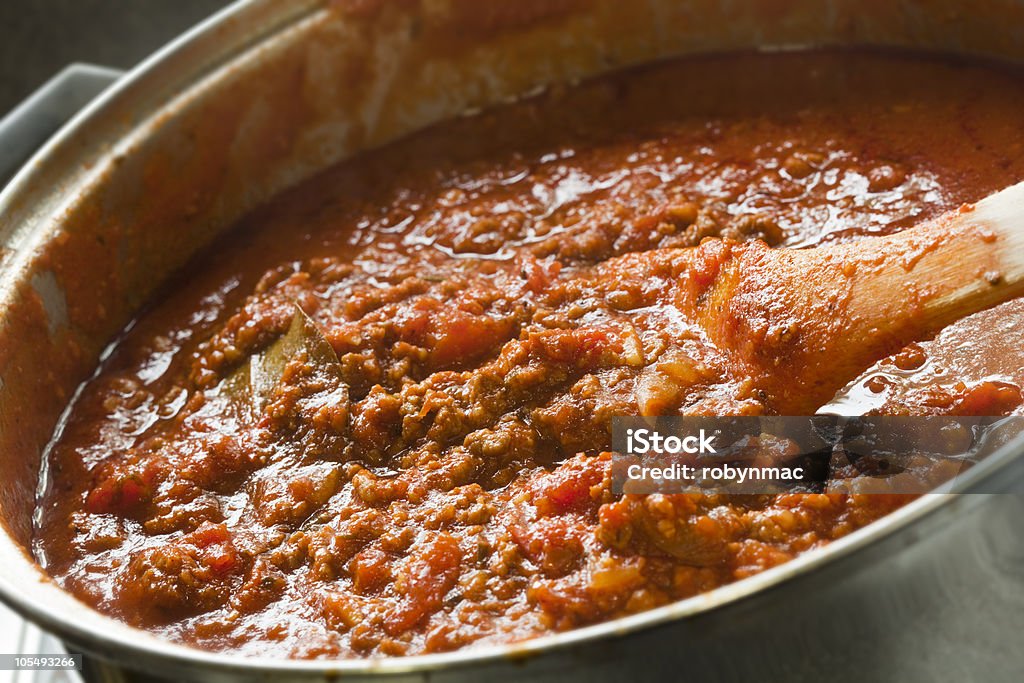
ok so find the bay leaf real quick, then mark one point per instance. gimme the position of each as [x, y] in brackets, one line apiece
[252, 385]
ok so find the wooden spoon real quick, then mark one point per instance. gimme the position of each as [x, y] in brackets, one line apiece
[806, 321]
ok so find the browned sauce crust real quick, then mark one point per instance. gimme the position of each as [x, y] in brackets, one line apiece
[493, 290]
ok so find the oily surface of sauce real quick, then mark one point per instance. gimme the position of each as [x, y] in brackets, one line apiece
[425, 469]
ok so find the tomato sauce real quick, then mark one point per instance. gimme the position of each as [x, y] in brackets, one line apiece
[374, 420]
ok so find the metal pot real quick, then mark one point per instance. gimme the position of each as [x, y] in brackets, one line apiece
[268, 92]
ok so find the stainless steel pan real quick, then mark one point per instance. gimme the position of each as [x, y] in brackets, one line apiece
[271, 91]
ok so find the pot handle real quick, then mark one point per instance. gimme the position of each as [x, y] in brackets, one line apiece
[32, 122]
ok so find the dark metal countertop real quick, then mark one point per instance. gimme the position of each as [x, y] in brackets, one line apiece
[38, 38]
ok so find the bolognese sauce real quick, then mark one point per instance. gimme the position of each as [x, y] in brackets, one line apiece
[375, 419]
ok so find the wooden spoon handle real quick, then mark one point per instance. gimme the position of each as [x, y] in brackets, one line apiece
[991, 235]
